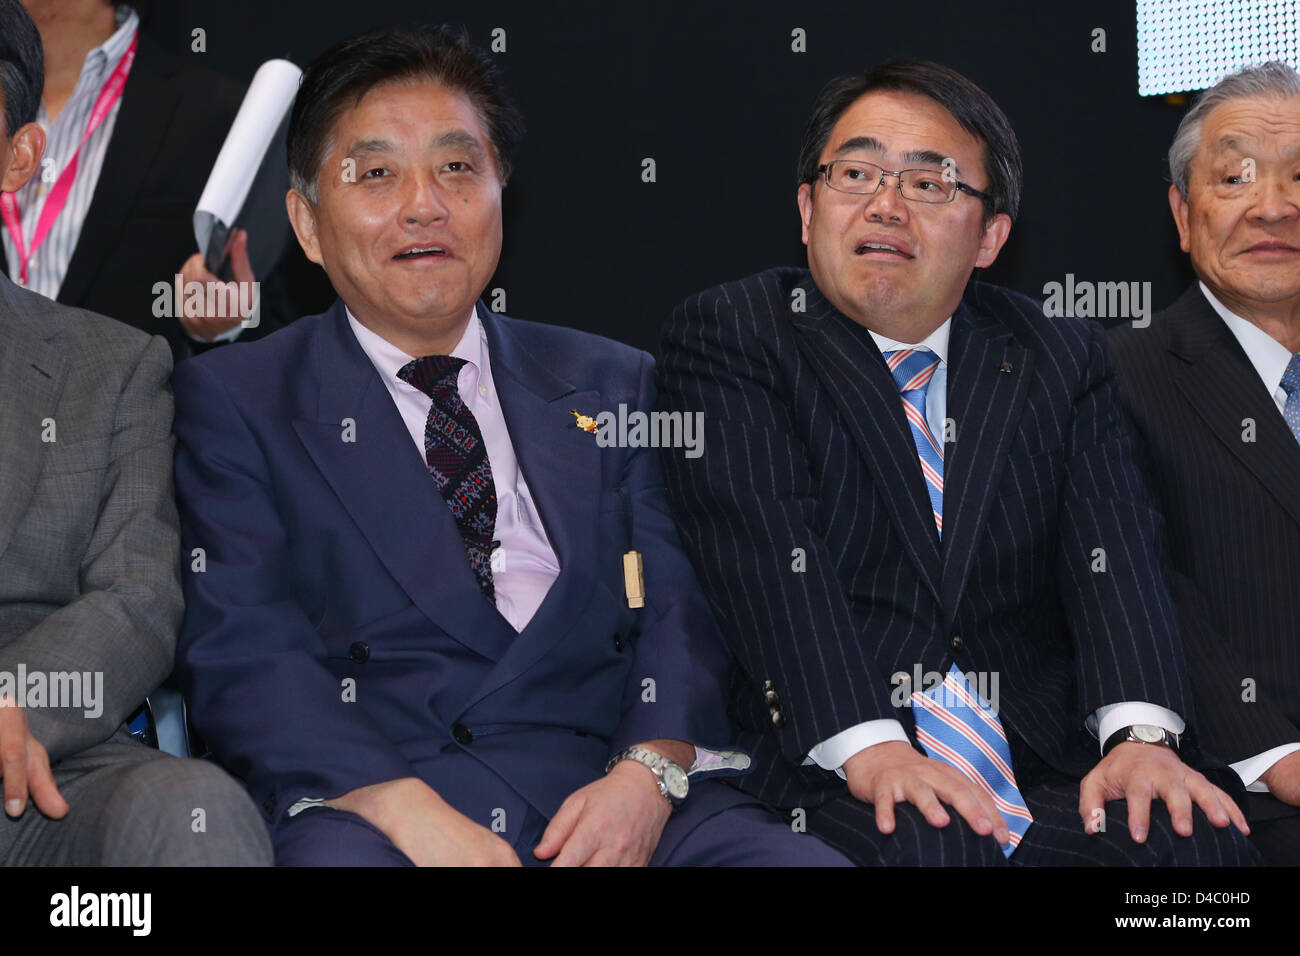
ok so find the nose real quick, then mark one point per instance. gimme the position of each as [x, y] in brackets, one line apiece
[1276, 199]
[423, 201]
[887, 201]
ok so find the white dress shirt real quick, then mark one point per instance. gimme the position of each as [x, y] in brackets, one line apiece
[49, 266]
[832, 753]
[1270, 359]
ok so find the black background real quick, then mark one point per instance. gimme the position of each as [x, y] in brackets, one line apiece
[709, 89]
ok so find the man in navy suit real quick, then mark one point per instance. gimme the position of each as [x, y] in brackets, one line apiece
[920, 525]
[429, 618]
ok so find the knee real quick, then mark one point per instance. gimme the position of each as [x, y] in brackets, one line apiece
[174, 812]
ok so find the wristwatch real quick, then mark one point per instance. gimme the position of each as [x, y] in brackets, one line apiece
[672, 780]
[1143, 734]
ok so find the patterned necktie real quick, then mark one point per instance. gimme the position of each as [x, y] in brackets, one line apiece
[913, 369]
[457, 459]
[955, 724]
[1291, 385]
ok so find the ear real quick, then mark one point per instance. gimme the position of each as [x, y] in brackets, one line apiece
[302, 216]
[994, 237]
[1182, 212]
[805, 200]
[24, 159]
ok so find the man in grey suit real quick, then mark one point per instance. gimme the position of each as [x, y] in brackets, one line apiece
[89, 570]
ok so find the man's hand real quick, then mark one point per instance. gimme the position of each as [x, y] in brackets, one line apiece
[208, 327]
[1137, 772]
[893, 772]
[424, 826]
[25, 766]
[617, 820]
[1283, 779]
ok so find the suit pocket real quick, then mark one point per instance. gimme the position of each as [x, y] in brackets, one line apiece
[67, 459]
[1032, 477]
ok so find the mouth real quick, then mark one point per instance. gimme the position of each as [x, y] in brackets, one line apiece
[882, 249]
[1272, 247]
[423, 252]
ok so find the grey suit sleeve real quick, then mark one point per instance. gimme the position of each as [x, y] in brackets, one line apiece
[123, 625]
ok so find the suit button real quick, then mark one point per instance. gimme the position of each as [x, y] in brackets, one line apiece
[778, 718]
[460, 733]
[767, 685]
[618, 642]
[957, 643]
[359, 652]
[269, 803]
[771, 698]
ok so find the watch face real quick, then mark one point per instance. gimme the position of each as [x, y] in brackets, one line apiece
[1148, 734]
[676, 782]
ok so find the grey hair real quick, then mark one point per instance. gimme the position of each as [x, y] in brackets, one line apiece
[1271, 79]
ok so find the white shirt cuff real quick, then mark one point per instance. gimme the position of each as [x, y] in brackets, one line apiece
[227, 336]
[1111, 717]
[1252, 768]
[834, 752]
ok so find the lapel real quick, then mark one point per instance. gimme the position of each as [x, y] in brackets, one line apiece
[384, 484]
[33, 373]
[148, 102]
[850, 366]
[562, 466]
[1218, 380]
[985, 405]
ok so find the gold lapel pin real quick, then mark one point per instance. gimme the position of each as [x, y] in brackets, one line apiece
[585, 422]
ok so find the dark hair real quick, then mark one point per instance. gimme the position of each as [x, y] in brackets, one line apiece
[22, 66]
[343, 74]
[970, 106]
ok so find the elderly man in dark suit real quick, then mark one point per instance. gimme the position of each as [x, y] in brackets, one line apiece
[89, 592]
[919, 522]
[1212, 388]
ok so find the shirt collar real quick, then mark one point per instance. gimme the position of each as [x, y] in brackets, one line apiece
[1267, 354]
[388, 359]
[113, 49]
[936, 341]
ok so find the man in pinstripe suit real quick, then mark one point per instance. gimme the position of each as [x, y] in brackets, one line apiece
[1222, 453]
[909, 478]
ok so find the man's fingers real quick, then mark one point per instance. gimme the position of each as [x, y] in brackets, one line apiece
[884, 804]
[977, 808]
[240, 265]
[45, 793]
[1175, 793]
[1091, 806]
[922, 795]
[579, 847]
[560, 828]
[1138, 798]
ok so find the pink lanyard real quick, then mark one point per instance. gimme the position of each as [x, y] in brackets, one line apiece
[58, 197]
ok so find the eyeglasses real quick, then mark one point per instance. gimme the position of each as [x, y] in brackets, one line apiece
[916, 185]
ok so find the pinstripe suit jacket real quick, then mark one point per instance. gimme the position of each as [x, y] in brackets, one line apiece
[809, 524]
[1233, 512]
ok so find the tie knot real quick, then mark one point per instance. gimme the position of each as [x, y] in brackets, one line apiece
[432, 373]
[912, 368]
[1291, 377]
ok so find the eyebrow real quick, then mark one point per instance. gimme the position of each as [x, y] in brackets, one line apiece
[872, 145]
[1234, 145]
[452, 137]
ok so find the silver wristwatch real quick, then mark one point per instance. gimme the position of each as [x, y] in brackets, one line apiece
[1142, 734]
[672, 779]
